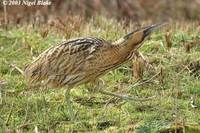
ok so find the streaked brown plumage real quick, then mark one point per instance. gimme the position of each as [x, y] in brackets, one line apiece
[83, 60]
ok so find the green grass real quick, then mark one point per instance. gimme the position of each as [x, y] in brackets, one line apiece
[46, 110]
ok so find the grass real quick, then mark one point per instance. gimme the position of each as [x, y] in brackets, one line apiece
[45, 110]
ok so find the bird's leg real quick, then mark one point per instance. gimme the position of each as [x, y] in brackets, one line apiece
[124, 97]
[69, 104]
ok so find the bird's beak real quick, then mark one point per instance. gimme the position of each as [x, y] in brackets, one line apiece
[147, 31]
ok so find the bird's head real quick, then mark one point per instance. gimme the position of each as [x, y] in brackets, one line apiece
[135, 38]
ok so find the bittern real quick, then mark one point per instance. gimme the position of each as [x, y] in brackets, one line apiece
[85, 60]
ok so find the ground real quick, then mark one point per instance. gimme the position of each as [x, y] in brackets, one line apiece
[45, 110]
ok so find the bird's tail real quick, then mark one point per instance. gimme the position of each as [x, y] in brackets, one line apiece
[34, 72]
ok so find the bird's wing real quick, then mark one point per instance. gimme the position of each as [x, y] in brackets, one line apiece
[64, 62]
[72, 53]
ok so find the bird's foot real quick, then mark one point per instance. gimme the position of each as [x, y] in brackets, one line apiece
[126, 97]
[101, 84]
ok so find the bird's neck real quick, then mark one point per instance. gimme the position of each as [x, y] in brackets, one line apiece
[129, 43]
[125, 47]
[120, 53]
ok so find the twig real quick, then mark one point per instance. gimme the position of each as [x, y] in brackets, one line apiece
[5, 16]
[22, 126]
[2, 83]
[1, 99]
[9, 115]
[26, 114]
[15, 67]
[36, 129]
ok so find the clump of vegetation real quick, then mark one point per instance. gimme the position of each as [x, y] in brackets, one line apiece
[172, 77]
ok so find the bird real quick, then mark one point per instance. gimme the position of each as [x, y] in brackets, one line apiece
[84, 60]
